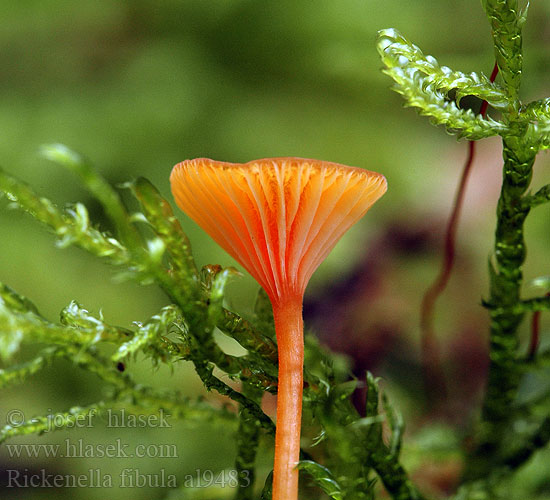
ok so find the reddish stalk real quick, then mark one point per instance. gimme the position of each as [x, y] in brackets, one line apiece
[434, 379]
[290, 341]
[492, 78]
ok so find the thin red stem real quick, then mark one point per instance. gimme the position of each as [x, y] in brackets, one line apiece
[434, 378]
[492, 78]
[290, 341]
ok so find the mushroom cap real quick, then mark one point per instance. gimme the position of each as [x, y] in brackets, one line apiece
[278, 217]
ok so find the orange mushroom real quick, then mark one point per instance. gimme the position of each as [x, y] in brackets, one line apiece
[278, 217]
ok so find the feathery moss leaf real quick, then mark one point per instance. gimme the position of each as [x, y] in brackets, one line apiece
[425, 85]
[158, 213]
[323, 478]
[98, 187]
[71, 226]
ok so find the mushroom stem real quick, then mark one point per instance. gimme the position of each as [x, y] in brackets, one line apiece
[289, 328]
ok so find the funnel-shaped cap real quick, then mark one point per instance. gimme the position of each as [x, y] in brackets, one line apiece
[278, 217]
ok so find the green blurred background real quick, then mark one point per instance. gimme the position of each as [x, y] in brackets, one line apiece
[137, 86]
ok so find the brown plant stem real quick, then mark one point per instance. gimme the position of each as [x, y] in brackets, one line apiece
[434, 378]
